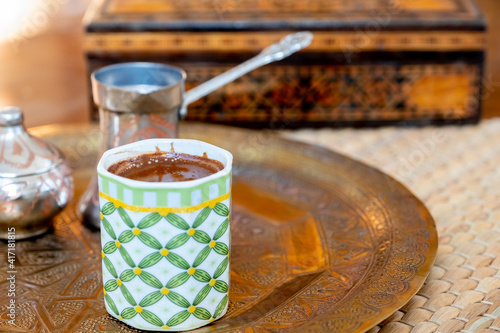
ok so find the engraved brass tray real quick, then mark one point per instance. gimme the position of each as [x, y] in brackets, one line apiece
[320, 243]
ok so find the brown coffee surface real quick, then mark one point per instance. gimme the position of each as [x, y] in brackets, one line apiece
[166, 167]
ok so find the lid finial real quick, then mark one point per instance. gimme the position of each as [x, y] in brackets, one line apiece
[11, 116]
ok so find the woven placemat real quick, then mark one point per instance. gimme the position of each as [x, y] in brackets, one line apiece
[455, 171]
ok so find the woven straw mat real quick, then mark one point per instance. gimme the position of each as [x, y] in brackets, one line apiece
[455, 171]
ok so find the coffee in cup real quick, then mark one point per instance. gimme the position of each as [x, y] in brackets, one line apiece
[166, 167]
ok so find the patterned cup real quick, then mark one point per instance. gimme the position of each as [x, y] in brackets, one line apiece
[165, 246]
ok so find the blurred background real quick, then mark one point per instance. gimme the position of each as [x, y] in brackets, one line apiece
[42, 66]
[43, 70]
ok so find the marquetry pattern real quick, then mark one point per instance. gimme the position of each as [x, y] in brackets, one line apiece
[326, 94]
[357, 41]
[288, 10]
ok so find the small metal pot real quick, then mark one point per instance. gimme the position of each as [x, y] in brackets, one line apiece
[35, 181]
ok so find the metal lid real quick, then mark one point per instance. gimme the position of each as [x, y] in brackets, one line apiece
[23, 154]
[11, 116]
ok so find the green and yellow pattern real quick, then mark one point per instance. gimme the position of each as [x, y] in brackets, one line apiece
[166, 268]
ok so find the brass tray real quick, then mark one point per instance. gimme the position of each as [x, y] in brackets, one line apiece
[320, 243]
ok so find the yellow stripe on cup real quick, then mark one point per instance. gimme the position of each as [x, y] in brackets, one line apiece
[164, 210]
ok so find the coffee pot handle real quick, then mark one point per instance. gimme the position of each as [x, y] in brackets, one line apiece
[282, 49]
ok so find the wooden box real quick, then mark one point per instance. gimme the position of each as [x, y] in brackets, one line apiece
[372, 62]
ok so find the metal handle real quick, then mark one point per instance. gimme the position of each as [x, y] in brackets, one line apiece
[282, 49]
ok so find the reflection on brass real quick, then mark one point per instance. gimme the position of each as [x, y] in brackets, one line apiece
[303, 247]
[360, 246]
[265, 204]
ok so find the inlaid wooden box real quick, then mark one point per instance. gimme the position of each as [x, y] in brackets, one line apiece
[372, 62]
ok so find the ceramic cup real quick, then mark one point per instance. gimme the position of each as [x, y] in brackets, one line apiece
[165, 246]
